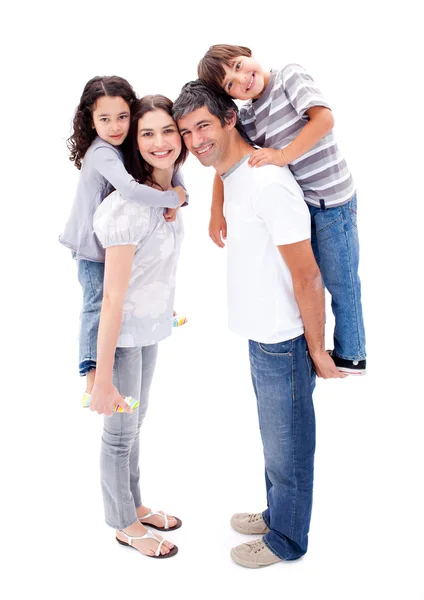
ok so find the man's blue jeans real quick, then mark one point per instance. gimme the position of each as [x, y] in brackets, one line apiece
[284, 379]
[335, 242]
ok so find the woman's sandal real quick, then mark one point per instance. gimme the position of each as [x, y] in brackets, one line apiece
[164, 516]
[147, 535]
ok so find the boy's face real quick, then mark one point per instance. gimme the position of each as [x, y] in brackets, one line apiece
[204, 135]
[244, 79]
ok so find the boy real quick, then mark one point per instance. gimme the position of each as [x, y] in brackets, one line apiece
[286, 114]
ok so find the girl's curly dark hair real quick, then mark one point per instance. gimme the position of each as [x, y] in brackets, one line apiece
[136, 166]
[83, 132]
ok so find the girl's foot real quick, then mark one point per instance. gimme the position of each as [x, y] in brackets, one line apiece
[147, 546]
[154, 519]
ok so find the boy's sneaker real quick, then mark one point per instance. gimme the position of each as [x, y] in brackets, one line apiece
[351, 367]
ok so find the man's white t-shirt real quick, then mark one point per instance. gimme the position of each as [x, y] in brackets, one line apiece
[264, 208]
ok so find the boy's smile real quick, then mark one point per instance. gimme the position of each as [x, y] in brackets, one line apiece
[245, 78]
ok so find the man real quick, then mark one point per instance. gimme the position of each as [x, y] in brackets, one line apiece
[276, 300]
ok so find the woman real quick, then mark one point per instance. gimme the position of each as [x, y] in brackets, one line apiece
[142, 249]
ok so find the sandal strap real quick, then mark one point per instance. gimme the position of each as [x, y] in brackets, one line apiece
[147, 535]
[159, 514]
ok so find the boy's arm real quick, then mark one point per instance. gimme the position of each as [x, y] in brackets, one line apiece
[309, 293]
[108, 163]
[306, 99]
[217, 223]
[320, 123]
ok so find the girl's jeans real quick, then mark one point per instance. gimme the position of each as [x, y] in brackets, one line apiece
[90, 276]
[334, 239]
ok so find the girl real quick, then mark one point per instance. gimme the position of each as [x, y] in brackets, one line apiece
[100, 129]
[141, 257]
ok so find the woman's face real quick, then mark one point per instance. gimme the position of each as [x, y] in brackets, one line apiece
[158, 139]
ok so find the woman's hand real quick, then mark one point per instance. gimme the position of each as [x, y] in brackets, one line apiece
[105, 397]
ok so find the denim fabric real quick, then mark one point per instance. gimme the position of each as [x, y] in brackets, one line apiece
[284, 379]
[132, 375]
[90, 276]
[334, 239]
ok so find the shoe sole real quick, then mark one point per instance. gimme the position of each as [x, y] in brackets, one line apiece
[172, 552]
[177, 526]
[352, 371]
[249, 565]
[245, 532]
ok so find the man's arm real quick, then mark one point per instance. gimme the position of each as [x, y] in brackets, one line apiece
[309, 294]
[217, 223]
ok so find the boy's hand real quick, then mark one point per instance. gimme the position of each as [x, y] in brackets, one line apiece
[218, 228]
[181, 193]
[266, 156]
[104, 397]
[170, 214]
[324, 366]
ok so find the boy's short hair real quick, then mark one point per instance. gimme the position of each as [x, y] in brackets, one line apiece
[210, 70]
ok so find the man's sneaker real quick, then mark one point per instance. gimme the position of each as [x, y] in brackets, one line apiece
[249, 523]
[254, 555]
[351, 367]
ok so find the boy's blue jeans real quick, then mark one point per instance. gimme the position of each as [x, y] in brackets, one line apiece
[284, 379]
[90, 276]
[335, 242]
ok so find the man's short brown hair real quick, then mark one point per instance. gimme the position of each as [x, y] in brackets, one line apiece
[210, 70]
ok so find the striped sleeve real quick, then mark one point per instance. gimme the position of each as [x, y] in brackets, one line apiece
[301, 89]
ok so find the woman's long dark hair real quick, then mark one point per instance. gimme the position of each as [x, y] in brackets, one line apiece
[83, 132]
[134, 163]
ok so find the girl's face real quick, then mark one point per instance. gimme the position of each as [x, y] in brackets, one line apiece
[111, 119]
[158, 139]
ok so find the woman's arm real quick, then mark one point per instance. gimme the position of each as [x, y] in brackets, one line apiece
[118, 267]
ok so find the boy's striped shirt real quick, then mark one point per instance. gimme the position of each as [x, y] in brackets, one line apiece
[277, 117]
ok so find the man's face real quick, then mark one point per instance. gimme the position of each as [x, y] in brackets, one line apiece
[204, 135]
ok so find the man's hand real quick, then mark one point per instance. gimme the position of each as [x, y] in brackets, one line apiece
[266, 156]
[104, 398]
[181, 193]
[218, 228]
[325, 367]
[170, 214]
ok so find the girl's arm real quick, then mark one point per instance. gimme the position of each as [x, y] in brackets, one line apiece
[320, 123]
[109, 164]
[118, 267]
[217, 223]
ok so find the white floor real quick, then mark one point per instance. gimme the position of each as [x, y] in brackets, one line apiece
[202, 460]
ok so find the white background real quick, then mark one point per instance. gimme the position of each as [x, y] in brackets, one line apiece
[201, 451]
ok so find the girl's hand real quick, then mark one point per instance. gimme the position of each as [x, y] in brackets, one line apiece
[170, 214]
[266, 156]
[104, 398]
[218, 228]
